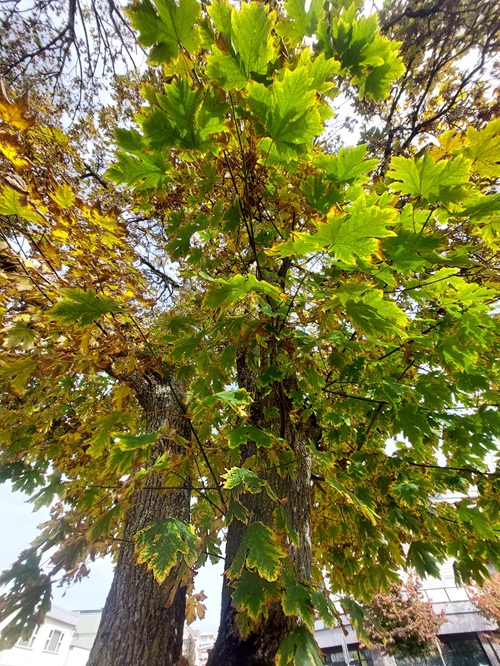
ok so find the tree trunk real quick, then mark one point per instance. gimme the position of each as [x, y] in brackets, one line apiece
[136, 628]
[260, 648]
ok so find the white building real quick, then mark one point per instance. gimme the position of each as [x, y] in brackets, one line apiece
[49, 645]
[196, 645]
[87, 624]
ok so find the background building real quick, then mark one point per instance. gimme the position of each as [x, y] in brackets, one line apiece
[50, 644]
[464, 639]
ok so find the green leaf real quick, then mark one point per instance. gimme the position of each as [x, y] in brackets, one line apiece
[481, 206]
[288, 111]
[45, 497]
[17, 373]
[426, 178]
[320, 194]
[300, 22]
[239, 436]
[348, 166]
[169, 28]
[376, 81]
[101, 440]
[235, 399]
[251, 49]
[251, 32]
[129, 140]
[28, 601]
[227, 292]
[144, 172]
[220, 12]
[484, 148]
[299, 649]
[325, 607]
[183, 118]
[352, 498]
[238, 477]
[270, 375]
[356, 612]
[19, 335]
[348, 236]
[103, 526]
[372, 60]
[357, 234]
[254, 594]
[226, 69]
[296, 601]
[64, 195]
[473, 516]
[409, 493]
[10, 204]
[236, 511]
[422, 557]
[83, 307]
[258, 550]
[410, 252]
[375, 315]
[127, 442]
[166, 544]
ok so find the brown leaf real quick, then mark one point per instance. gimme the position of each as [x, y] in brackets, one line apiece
[16, 182]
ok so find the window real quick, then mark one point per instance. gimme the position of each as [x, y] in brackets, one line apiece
[28, 644]
[457, 650]
[54, 641]
[357, 657]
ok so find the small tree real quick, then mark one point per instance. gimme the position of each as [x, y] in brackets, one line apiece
[401, 623]
[487, 598]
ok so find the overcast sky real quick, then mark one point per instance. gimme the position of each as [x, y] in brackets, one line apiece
[18, 526]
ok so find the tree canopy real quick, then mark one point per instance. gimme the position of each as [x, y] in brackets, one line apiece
[316, 391]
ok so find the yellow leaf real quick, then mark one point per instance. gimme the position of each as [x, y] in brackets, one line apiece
[449, 143]
[484, 148]
[15, 112]
[17, 373]
[60, 234]
[9, 146]
[64, 196]
[122, 395]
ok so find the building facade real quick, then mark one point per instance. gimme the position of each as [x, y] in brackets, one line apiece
[465, 639]
[49, 645]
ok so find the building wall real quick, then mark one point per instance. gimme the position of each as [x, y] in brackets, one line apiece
[36, 654]
[87, 625]
[77, 656]
[462, 618]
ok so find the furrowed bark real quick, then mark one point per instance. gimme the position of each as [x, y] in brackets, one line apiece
[260, 648]
[136, 628]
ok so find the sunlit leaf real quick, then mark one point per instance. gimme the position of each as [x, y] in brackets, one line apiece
[164, 545]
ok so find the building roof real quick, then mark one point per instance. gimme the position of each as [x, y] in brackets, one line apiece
[62, 615]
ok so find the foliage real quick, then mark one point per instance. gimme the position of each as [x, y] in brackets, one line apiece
[308, 299]
[450, 51]
[69, 50]
[487, 598]
[400, 623]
